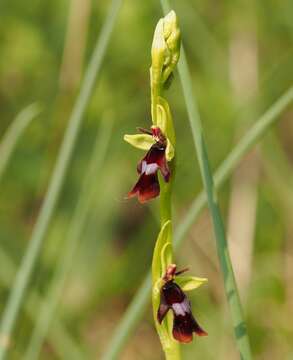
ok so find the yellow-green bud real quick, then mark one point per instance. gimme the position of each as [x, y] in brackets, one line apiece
[165, 48]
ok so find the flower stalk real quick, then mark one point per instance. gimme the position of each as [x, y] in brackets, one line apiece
[173, 317]
[161, 65]
[169, 325]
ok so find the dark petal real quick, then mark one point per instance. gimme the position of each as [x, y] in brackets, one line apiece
[154, 159]
[184, 322]
[183, 328]
[163, 309]
[173, 293]
[146, 188]
[197, 329]
[155, 153]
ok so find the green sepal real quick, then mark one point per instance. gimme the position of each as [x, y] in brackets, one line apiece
[161, 259]
[140, 141]
[164, 237]
[166, 256]
[164, 119]
[165, 123]
[170, 152]
[188, 283]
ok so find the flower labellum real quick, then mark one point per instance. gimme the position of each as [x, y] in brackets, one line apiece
[147, 186]
[172, 297]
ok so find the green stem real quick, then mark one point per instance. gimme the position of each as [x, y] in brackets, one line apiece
[17, 295]
[64, 345]
[156, 90]
[170, 346]
[165, 201]
[230, 285]
[173, 353]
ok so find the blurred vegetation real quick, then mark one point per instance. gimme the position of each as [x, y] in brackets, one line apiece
[241, 55]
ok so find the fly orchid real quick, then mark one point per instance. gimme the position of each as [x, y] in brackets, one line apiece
[168, 293]
[173, 298]
[159, 143]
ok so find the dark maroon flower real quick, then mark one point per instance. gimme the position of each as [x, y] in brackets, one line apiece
[172, 297]
[147, 186]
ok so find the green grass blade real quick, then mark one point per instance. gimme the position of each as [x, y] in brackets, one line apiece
[23, 276]
[76, 227]
[13, 133]
[233, 159]
[219, 229]
[64, 346]
[129, 320]
[230, 284]
[139, 302]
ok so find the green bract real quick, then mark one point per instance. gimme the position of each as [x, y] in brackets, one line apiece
[165, 123]
[165, 48]
[140, 141]
[160, 262]
[166, 256]
[159, 267]
[188, 283]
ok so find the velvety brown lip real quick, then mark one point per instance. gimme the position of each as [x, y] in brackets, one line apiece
[147, 186]
[184, 324]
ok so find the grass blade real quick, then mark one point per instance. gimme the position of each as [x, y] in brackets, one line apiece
[23, 276]
[13, 133]
[233, 159]
[73, 237]
[218, 224]
[65, 346]
[130, 319]
[139, 302]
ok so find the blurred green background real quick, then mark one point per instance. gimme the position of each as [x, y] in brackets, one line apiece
[240, 55]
